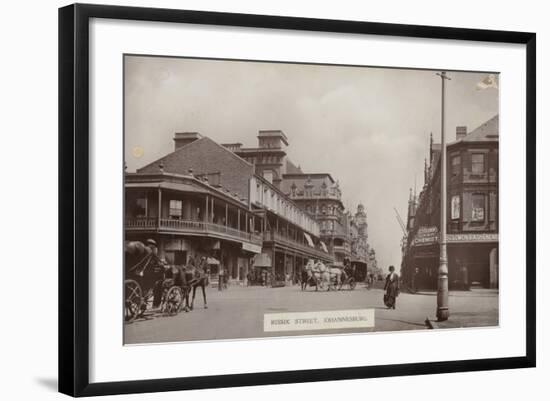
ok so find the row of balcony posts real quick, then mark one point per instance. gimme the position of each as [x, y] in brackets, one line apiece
[290, 233]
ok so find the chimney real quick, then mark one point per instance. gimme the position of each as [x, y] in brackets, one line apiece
[234, 147]
[461, 132]
[184, 138]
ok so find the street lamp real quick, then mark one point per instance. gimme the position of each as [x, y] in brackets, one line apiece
[442, 312]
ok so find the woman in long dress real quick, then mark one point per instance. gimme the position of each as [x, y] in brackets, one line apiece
[392, 288]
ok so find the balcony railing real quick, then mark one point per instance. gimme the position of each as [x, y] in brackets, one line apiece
[341, 248]
[288, 242]
[303, 195]
[191, 227]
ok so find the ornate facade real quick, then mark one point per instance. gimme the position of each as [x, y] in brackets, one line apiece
[341, 234]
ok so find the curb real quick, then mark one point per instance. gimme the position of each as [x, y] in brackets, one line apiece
[431, 324]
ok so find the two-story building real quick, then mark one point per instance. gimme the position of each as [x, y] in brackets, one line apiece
[472, 218]
[204, 200]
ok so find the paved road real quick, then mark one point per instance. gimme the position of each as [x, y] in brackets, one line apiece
[238, 312]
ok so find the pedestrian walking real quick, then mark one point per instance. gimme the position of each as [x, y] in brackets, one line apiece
[415, 278]
[465, 280]
[392, 288]
[220, 278]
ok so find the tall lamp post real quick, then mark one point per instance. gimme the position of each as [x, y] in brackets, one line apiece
[442, 312]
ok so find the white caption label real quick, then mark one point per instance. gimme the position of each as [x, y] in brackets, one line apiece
[322, 320]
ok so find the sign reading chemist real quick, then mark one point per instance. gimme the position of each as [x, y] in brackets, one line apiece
[426, 236]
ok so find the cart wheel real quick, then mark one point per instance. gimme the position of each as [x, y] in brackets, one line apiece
[352, 284]
[132, 300]
[172, 301]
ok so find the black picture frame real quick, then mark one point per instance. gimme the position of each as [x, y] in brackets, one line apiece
[74, 198]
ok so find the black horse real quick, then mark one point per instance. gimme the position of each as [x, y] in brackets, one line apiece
[188, 278]
[196, 277]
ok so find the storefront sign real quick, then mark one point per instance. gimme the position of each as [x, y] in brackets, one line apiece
[472, 237]
[262, 260]
[426, 236]
[252, 247]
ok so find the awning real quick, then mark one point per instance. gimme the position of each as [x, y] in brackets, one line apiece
[324, 247]
[212, 261]
[262, 260]
[309, 240]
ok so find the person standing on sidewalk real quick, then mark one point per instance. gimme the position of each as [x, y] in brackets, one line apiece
[392, 288]
[465, 280]
[220, 277]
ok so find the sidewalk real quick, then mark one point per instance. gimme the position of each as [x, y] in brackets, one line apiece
[475, 308]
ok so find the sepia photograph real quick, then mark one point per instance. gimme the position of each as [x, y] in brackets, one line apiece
[274, 199]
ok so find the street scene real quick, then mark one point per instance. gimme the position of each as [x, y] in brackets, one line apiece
[477, 308]
[272, 199]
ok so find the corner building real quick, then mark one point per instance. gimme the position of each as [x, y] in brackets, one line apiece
[472, 218]
[203, 199]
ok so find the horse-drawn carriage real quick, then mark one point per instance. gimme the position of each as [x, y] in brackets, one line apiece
[146, 286]
[151, 284]
[332, 277]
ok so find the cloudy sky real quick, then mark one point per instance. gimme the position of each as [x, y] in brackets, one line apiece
[368, 127]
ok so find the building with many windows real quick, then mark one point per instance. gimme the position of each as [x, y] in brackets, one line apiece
[318, 194]
[472, 219]
[320, 197]
[248, 209]
[202, 199]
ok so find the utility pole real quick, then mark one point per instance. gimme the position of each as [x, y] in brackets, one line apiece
[442, 312]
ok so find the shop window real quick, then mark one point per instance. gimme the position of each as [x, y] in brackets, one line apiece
[478, 207]
[455, 207]
[478, 163]
[176, 209]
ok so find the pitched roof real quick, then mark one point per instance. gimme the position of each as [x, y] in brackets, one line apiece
[292, 169]
[486, 132]
[205, 156]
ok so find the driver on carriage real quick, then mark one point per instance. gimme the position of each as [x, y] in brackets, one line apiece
[152, 245]
[347, 266]
[320, 266]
